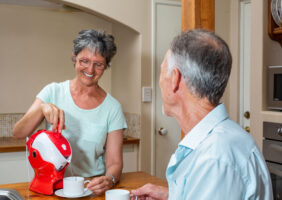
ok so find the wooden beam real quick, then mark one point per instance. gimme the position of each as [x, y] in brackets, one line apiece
[197, 14]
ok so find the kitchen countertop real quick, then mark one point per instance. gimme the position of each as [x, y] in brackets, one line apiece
[9, 144]
[128, 181]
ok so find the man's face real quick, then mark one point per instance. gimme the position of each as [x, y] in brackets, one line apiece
[164, 83]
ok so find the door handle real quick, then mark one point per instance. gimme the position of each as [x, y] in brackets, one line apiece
[247, 115]
[247, 128]
[162, 131]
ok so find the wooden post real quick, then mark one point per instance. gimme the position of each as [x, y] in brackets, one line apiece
[197, 14]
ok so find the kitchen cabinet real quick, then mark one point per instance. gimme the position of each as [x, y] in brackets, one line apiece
[13, 167]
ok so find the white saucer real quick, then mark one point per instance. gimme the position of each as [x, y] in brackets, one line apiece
[60, 193]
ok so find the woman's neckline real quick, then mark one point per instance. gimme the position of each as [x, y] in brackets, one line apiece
[80, 108]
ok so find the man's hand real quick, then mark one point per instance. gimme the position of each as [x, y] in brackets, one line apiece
[100, 184]
[150, 192]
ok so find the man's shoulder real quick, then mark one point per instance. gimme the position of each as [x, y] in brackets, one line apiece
[229, 143]
[232, 135]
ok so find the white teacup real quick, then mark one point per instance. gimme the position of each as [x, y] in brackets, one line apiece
[74, 186]
[117, 194]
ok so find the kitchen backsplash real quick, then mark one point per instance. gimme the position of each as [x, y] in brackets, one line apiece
[7, 122]
[133, 125]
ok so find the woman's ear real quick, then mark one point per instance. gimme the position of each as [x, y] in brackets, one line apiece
[175, 79]
[73, 57]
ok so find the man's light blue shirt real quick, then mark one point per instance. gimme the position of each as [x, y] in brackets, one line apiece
[216, 160]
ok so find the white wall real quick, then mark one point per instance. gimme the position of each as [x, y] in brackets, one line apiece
[36, 46]
[126, 71]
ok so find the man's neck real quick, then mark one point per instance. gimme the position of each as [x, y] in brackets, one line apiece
[192, 112]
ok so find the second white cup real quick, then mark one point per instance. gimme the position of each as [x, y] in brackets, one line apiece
[74, 186]
[117, 194]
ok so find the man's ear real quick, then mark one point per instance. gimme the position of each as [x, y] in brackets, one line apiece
[175, 79]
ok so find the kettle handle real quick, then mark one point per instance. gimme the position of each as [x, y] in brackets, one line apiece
[58, 133]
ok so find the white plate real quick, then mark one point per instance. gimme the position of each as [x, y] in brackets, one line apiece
[60, 193]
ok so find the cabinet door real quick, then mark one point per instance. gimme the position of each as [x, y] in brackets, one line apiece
[15, 168]
[130, 158]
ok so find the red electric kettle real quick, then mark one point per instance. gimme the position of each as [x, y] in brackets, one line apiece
[49, 155]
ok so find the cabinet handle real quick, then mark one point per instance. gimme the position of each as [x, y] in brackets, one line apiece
[279, 131]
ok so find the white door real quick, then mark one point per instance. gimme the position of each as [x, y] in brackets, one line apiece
[245, 52]
[166, 25]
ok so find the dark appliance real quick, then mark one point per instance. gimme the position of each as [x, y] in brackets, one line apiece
[272, 151]
[274, 87]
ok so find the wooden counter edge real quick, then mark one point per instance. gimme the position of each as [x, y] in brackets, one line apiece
[130, 140]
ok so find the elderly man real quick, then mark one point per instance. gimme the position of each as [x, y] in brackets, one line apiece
[216, 159]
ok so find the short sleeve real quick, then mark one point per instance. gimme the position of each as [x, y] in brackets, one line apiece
[45, 93]
[116, 120]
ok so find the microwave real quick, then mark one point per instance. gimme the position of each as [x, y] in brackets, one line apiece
[274, 88]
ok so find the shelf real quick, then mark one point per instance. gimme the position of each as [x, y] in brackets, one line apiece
[130, 140]
[272, 116]
[277, 30]
[9, 144]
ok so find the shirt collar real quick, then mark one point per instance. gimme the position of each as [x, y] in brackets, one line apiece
[204, 127]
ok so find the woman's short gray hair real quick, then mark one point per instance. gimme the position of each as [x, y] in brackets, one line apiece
[204, 60]
[97, 41]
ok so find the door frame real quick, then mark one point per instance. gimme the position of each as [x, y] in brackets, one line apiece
[153, 127]
[241, 68]
[234, 80]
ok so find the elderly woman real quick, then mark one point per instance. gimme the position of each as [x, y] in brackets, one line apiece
[93, 120]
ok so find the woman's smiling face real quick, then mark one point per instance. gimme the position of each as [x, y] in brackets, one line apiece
[89, 67]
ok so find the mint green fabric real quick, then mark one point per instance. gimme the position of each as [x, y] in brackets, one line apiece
[86, 130]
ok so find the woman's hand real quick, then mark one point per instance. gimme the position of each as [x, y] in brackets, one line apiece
[99, 185]
[34, 116]
[53, 115]
[114, 164]
[150, 192]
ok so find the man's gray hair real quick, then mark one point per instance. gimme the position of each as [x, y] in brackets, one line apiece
[204, 60]
[96, 41]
